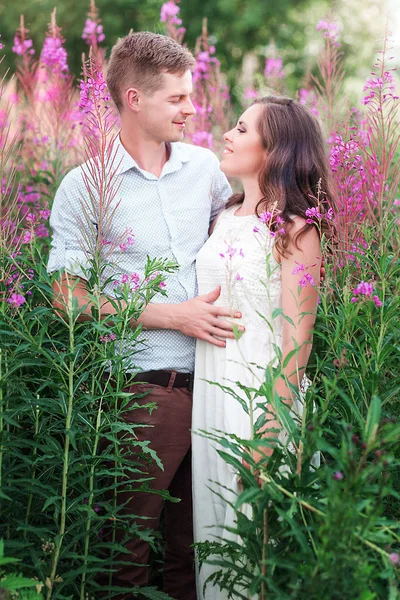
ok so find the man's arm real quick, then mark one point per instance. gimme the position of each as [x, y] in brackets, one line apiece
[197, 317]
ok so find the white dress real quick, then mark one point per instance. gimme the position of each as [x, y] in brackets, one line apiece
[238, 257]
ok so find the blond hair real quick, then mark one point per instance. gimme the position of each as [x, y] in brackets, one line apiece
[139, 60]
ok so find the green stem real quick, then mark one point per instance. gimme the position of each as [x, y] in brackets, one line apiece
[264, 553]
[1, 415]
[90, 499]
[30, 497]
[61, 531]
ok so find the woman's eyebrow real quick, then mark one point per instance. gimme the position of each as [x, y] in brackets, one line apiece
[242, 123]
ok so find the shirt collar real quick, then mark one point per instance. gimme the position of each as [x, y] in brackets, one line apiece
[124, 161]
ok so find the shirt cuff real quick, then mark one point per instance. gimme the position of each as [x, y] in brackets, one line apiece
[74, 262]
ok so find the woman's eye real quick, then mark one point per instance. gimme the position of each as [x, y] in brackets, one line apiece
[240, 130]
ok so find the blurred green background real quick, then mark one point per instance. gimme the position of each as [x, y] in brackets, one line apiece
[243, 31]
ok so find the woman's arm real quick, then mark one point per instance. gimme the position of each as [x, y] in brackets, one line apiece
[300, 273]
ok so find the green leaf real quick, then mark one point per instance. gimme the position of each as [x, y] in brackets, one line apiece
[373, 420]
[50, 501]
[17, 582]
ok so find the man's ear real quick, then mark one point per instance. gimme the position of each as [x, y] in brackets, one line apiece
[132, 97]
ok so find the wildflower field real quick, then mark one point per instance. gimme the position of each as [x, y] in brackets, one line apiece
[325, 534]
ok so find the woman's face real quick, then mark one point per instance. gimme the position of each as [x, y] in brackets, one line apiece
[244, 154]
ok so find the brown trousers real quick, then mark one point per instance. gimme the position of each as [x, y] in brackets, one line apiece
[169, 436]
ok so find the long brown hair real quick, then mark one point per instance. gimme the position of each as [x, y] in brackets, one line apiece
[295, 175]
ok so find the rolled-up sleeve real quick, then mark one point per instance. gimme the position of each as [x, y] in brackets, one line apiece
[221, 191]
[67, 249]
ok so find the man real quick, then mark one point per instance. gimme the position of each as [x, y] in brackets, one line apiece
[169, 193]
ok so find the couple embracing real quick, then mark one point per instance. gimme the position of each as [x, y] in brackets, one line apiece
[177, 200]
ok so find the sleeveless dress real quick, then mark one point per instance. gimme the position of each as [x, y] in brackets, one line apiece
[238, 257]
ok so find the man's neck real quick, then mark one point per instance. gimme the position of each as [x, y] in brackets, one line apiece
[150, 155]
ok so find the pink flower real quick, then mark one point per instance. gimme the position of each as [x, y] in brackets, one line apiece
[250, 93]
[377, 301]
[54, 55]
[273, 68]
[130, 240]
[306, 280]
[135, 281]
[309, 98]
[313, 213]
[45, 213]
[363, 289]
[383, 87]
[203, 138]
[30, 217]
[93, 91]
[298, 269]
[265, 217]
[255, 230]
[108, 338]
[122, 247]
[27, 237]
[394, 558]
[22, 47]
[16, 300]
[239, 277]
[330, 30]
[169, 13]
[338, 475]
[93, 33]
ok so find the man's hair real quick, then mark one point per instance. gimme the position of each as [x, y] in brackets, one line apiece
[140, 59]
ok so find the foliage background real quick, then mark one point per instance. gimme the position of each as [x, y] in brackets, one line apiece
[243, 33]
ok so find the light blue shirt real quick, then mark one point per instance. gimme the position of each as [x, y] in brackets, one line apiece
[168, 216]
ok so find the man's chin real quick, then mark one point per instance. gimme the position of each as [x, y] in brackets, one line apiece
[177, 137]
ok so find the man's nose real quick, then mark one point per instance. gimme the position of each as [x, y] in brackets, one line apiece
[188, 108]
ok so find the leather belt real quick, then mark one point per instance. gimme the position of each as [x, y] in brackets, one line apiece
[167, 379]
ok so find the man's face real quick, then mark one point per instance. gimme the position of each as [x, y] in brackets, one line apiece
[163, 115]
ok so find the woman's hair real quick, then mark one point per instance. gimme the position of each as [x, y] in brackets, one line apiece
[140, 59]
[295, 175]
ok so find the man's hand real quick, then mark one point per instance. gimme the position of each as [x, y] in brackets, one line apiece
[198, 318]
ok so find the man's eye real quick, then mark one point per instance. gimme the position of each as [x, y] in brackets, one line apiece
[175, 101]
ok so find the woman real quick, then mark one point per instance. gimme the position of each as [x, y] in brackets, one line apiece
[265, 253]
